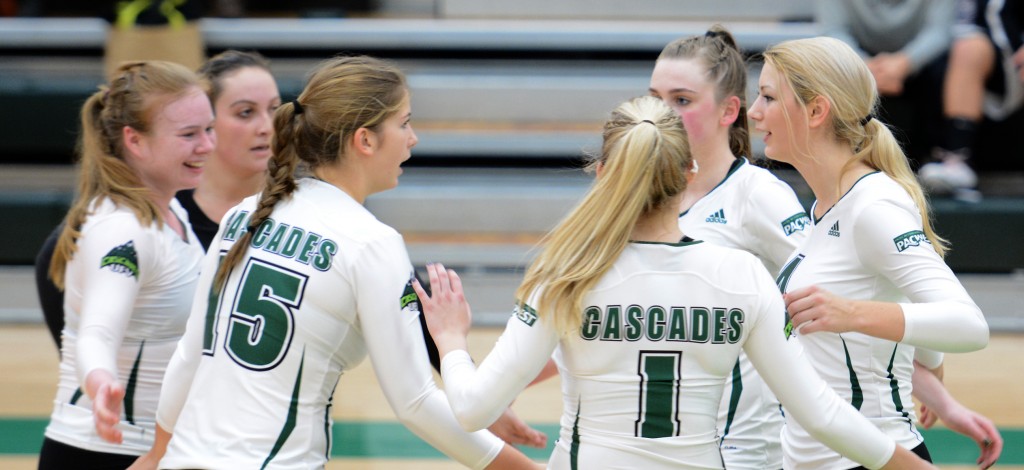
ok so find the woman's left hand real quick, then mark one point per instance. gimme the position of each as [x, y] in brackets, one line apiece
[813, 309]
[446, 310]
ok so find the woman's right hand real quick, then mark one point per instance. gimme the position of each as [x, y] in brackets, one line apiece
[107, 395]
[446, 311]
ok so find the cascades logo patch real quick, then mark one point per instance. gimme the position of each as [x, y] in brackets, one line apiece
[796, 223]
[122, 259]
[409, 299]
[910, 239]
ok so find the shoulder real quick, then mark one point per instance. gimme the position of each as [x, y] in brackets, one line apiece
[878, 192]
[105, 215]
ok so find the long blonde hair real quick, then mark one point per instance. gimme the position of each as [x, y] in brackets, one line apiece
[343, 95]
[829, 68]
[135, 94]
[645, 158]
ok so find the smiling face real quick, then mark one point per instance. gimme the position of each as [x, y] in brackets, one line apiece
[395, 140]
[774, 104]
[683, 85]
[245, 115]
[170, 157]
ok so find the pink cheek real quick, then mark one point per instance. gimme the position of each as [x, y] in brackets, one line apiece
[693, 123]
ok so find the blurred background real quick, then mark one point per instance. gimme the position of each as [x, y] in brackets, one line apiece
[508, 99]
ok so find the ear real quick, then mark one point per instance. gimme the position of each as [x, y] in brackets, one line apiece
[599, 170]
[730, 111]
[364, 141]
[818, 111]
[132, 140]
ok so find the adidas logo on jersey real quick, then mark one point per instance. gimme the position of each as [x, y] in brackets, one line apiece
[910, 239]
[834, 231]
[716, 218]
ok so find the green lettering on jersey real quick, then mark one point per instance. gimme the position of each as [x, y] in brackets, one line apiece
[634, 322]
[260, 237]
[308, 247]
[736, 318]
[656, 323]
[591, 323]
[291, 244]
[613, 324]
[677, 324]
[236, 225]
[700, 324]
[718, 326]
[325, 255]
[274, 245]
[122, 259]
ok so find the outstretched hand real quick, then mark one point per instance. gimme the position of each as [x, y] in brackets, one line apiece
[515, 431]
[446, 311]
[106, 409]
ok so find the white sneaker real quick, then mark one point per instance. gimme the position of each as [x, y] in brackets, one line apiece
[948, 175]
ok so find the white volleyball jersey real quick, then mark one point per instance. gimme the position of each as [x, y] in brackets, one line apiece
[642, 378]
[322, 284]
[128, 291]
[871, 246]
[754, 211]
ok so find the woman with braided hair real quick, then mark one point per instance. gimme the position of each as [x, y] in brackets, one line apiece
[127, 261]
[300, 284]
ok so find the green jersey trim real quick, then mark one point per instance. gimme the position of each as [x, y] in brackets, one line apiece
[813, 206]
[574, 448]
[734, 399]
[129, 389]
[739, 162]
[289, 422]
[858, 394]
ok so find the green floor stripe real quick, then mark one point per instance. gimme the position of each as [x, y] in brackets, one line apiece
[377, 439]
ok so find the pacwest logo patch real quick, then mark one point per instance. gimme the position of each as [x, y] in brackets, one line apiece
[796, 223]
[122, 259]
[525, 314]
[910, 239]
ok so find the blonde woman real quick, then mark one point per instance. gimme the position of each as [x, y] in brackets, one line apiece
[733, 203]
[644, 322]
[868, 292]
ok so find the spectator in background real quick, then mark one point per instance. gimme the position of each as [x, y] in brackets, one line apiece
[985, 78]
[904, 43]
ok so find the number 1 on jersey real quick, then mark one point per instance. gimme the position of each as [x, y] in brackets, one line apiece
[659, 394]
